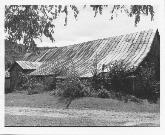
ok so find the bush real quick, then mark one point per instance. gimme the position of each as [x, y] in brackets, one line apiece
[103, 93]
[50, 83]
[113, 83]
[32, 91]
[56, 92]
[71, 88]
[36, 89]
[117, 77]
[23, 82]
[32, 86]
[147, 86]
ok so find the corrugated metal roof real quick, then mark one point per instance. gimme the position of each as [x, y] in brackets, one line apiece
[131, 48]
[28, 64]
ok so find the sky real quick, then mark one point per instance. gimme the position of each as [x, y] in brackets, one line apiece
[87, 28]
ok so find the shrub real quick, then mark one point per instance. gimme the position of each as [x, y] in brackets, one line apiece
[147, 87]
[32, 91]
[50, 83]
[117, 77]
[36, 88]
[103, 93]
[32, 86]
[22, 81]
[56, 92]
[71, 88]
[114, 80]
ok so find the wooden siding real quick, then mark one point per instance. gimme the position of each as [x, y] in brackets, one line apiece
[14, 75]
[7, 84]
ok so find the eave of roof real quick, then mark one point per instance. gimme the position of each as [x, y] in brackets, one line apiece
[27, 65]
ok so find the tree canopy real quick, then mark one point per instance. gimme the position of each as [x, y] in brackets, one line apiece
[29, 22]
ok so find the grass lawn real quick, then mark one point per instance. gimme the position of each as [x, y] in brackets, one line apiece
[46, 100]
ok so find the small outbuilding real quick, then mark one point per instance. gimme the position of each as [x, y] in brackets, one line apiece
[18, 68]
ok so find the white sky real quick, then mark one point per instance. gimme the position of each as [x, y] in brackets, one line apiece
[88, 28]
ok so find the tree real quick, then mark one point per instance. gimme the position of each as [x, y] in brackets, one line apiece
[29, 22]
[72, 87]
[132, 10]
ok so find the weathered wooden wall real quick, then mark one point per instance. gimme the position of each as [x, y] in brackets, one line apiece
[14, 75]
[7, 85]
[15, 71]
[153, 57]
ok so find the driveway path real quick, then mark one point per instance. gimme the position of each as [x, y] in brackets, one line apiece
[107, 117]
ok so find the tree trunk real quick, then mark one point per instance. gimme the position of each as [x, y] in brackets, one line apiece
[68, 103]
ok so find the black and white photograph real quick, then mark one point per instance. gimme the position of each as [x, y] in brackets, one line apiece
[82, 65]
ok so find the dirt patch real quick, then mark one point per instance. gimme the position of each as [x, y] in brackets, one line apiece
[97, 117]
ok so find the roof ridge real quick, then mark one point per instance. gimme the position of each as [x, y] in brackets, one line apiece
[108, 37]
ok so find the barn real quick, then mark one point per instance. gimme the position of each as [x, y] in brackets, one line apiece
[135, 49]
[19, 67]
